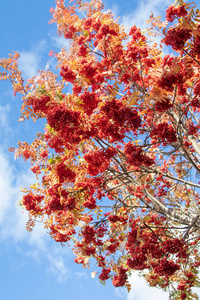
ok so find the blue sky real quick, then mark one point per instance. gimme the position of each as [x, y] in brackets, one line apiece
[32, 265]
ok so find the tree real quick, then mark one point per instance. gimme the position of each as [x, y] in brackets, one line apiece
[120, 155]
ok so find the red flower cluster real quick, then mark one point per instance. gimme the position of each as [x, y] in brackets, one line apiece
[173, 12]
[176, 37]
[67, 74]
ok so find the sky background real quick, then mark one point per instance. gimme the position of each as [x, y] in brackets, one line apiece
[32, 265]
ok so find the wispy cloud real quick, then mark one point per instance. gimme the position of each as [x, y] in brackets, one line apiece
[58, 41]
[141, 291]
[29, 61]
[142, 12]
[58, 267]
[36, 244]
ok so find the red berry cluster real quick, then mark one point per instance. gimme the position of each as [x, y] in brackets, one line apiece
[31, 202]
[88, 234]
[165, 132]
[136, 157]
[99, 160]
[197, 89]
[174, 12]
[177, 37]
[64, 173]
[120, 279]
[60, 116]
[163, 105]
[166, 267]
[40, 104]
[105, 274]
[138, 262]
[67, 74]
[89, 102]
[172, 246]
[70, 32]
[90, 203]
[121, 115]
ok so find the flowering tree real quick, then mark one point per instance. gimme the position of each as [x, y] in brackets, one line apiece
[120, 155]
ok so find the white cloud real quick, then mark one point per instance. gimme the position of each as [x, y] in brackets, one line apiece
[141, 291]
[81, 274]
[57, 267]
[36, 244]
[7, 191]
[143, 11]
[58, 41]
[121, 292]
[29, 61]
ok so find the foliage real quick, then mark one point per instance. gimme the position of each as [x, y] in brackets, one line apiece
[119, 157]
